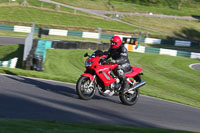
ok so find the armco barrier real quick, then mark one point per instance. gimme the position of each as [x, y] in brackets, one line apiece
[6, 27]
[162, 51]
[93, 35]
[10, 63]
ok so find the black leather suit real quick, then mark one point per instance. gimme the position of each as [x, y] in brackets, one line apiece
[120, 56]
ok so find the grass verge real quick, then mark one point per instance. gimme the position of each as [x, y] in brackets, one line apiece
[67, 18]
[33, 126]
[188, 8]
[188, 29]
[25, 14]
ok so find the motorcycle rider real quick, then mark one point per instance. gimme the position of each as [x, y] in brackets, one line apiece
[119, 56]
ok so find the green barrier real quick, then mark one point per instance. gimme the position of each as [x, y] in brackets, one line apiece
[195, 44]
[168, 42]
[106, 36]
[183, 53]
[42, 46]
[36, 30]
[152, 50]
[74, 33]
[8, 63]
[6, 27]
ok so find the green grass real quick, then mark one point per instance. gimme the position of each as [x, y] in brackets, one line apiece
[25, 14]
[189, 7]
[30, 126]
[164, 74]
[188, 29]
[39, 4]
[167, 77]
[12, 51]
[68, 19]
[156, 8]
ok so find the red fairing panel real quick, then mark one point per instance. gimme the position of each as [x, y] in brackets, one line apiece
[104, 74]
[136, 71]
[88, 75]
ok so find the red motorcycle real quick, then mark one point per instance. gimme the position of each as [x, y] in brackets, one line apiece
[100, 75]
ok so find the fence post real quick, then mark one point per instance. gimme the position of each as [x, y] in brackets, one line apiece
[99, 37]
[28, 44]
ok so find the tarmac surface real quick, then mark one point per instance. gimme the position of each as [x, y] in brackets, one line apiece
[195, 66]
[37, 99]
[12, 40]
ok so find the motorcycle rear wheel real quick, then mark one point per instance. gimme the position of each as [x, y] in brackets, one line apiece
[83, 90]
[128, 98]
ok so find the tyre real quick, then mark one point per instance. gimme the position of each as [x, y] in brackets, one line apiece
[83, 90]
[129, 98]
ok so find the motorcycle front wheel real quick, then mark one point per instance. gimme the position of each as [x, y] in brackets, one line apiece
[129, 98]
[83, 90]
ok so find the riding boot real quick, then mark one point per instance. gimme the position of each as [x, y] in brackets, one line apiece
[125, 86]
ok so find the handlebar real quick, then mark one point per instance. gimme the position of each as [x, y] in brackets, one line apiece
[105, 61]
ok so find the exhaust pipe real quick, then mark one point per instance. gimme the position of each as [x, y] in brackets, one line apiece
[137, 85]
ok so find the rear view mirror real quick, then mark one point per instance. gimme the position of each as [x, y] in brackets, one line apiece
[86, 55]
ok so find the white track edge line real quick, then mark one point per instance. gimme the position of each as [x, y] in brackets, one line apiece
[37, 78]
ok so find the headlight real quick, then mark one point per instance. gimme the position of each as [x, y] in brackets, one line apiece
[88, 64]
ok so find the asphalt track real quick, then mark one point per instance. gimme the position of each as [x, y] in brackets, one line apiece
[37, 99]
[195, 66]
[11, 40]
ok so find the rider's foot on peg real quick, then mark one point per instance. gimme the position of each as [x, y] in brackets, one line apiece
[107, 91]
[125, 88]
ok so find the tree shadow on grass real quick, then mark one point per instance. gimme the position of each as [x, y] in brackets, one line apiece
[189, 34]
[17, 53]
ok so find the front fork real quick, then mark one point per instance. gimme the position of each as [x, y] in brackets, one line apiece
[92, 82]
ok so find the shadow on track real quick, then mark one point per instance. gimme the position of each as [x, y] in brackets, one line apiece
[59, 89]
[22, 104]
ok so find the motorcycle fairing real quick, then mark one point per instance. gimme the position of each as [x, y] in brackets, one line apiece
[103, 71]
[136, 71]
[88, 75]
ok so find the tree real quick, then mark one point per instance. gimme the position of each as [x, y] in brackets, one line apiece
[180, 4]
